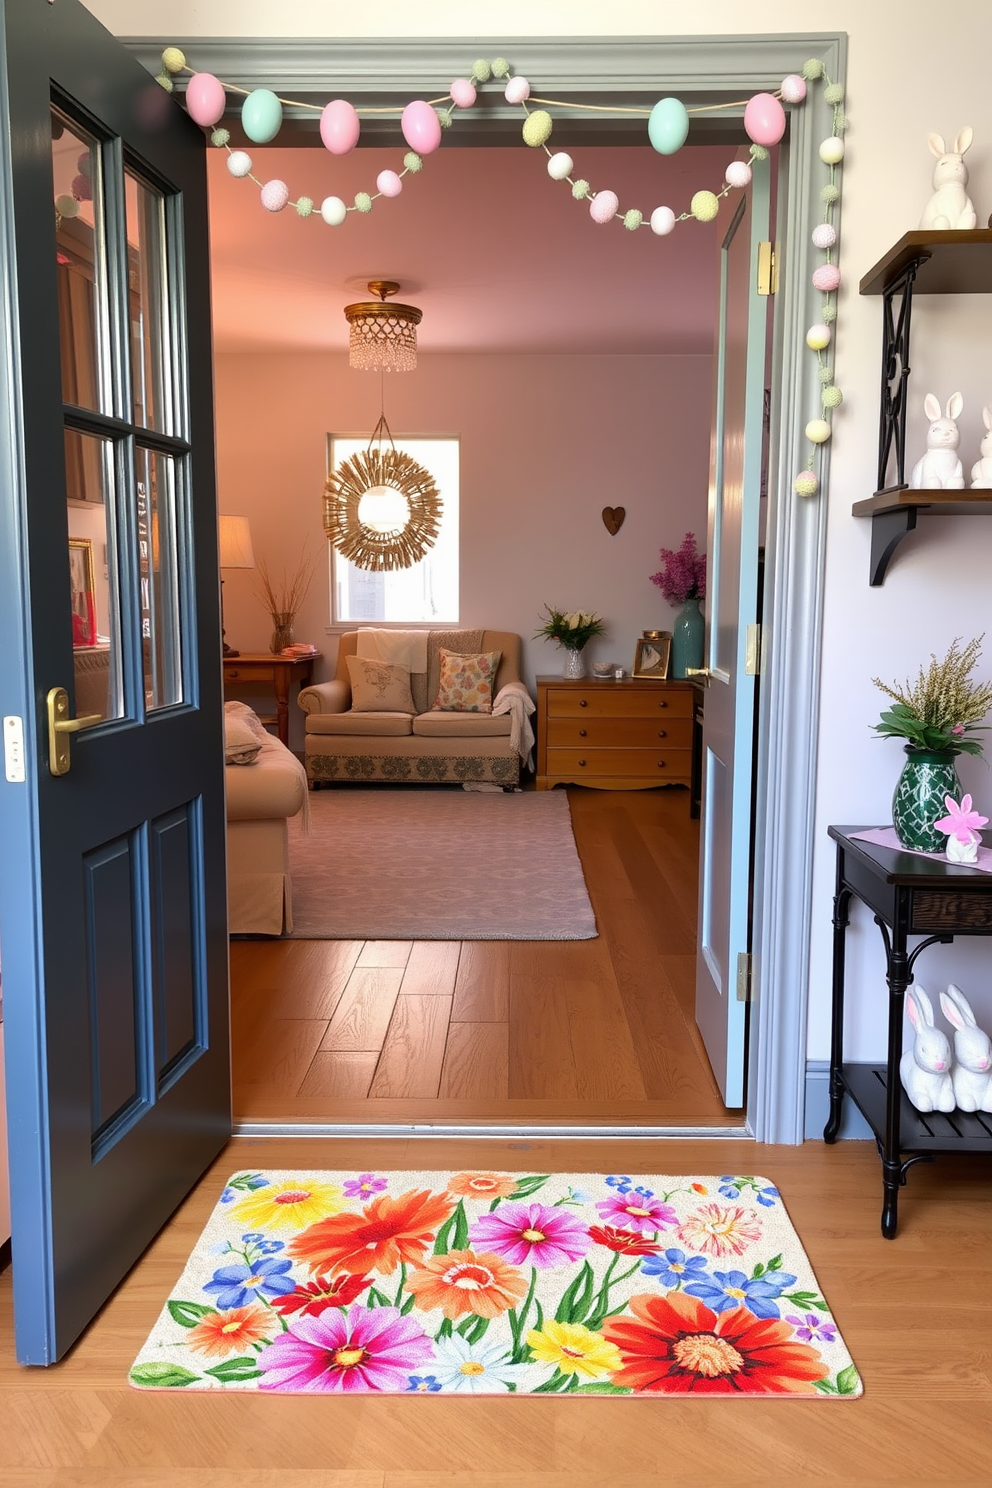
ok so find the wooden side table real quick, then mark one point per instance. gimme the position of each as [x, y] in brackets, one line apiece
[908, 895]
[617, 735]
[279, 672]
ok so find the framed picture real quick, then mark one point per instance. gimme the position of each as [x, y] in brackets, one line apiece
[651, 657]
[83, 590]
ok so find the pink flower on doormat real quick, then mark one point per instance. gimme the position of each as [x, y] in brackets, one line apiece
[646, 1214]
[720, 1230]
[531, 1233]
[362, 1349]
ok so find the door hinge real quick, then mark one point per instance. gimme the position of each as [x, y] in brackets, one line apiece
[744, 976]
[752, 651]
[767, 269]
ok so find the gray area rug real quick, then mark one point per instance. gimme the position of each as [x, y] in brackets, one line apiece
[408, 864]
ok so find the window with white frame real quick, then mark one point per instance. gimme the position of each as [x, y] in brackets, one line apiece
[426, 593]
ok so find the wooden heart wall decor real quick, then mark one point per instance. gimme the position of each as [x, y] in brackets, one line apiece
[613, 519]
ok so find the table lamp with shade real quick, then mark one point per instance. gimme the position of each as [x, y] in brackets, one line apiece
[234, 551]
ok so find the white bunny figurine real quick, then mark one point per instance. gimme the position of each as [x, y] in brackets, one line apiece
[925, 1069]
[971, 1073]
[981, 471]
[940, 468]
[950, 206]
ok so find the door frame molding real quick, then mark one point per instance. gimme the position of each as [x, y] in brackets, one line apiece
[637, 71]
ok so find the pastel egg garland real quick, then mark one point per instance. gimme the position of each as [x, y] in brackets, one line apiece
[424, 121]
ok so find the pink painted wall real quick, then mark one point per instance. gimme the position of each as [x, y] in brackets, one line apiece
[546, 443]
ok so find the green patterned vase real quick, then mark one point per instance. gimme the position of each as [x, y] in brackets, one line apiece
[927, 777]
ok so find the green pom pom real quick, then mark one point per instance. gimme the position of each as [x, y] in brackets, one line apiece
[828, 313]
[173, 60]
[445, 116]
[812, 69]
[829, 193]
[165, 81]
[580, 189]
[834, 93]
[220, 137]
[633, 219]
[831, 397]
[501, 68]
[363, 202]
[759, 152]
[825, 374]
[481, 71]
[412, 162]
[537, 127]
[704, 206]
[304, 206]
[841, 122]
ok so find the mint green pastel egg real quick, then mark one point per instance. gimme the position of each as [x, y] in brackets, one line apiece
[668, 126]
[261, 115]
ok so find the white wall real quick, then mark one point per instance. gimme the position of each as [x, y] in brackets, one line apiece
[905, 80]
[546, 443]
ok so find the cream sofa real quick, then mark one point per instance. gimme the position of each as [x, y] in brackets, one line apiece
[422, 748]
[261, 797]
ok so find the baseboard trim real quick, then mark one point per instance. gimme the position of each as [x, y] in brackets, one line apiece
[498, 1133]
[853, 1126]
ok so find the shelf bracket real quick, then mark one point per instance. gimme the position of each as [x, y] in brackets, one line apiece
[887, 531]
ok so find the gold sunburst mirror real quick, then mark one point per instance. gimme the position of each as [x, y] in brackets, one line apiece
[382, 510]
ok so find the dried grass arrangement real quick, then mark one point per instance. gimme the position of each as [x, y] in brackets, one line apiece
[283, 599]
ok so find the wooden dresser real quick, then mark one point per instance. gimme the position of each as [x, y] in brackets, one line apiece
[626, 735]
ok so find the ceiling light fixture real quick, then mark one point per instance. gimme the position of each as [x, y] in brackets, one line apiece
[383, 336]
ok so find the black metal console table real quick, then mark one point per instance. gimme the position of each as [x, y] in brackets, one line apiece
[909, 895]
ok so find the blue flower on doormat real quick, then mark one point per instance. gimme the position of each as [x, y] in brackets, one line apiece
[727, 1289]
[674, 1267]
[237, 1284]
[732, 1187]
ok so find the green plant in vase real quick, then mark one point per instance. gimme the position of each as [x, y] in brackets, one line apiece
[938, 716]
[572, 630]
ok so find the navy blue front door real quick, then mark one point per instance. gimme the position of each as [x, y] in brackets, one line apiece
[112, 890]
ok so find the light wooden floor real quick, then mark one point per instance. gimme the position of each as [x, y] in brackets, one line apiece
[916, 1313]
[594, 1031]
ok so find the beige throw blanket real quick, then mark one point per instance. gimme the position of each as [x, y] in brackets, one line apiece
[403, 648]
[516, 700]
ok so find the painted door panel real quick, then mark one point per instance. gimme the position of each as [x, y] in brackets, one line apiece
[732, 596]
[112, 880]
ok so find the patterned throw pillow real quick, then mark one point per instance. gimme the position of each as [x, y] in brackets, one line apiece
[466, 682]
[377, 687]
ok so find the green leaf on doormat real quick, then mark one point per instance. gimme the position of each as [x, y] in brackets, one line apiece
[162, 1376]
[245, 1368]
[187, 1314]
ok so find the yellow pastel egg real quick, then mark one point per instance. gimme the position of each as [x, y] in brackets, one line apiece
[537, 128]
[704, 206]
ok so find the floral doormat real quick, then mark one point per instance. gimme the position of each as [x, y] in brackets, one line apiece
[491, 1283]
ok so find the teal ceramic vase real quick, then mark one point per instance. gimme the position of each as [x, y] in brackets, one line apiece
[688, 633]
[927, 777]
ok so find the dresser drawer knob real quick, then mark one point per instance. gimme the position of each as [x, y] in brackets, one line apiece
[662, 733]
[583, 703]
[581, 762]
[231, 673]
[582, 733]
[662, 703]
[661, 764]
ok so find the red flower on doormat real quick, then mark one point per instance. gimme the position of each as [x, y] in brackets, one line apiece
[679, 1346]
[313, 1297]
[627, 1242]
[387, 1233]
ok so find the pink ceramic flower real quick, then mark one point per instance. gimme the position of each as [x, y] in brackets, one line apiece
[961, 822]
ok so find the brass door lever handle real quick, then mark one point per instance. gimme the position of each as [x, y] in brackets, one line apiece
[60, 726]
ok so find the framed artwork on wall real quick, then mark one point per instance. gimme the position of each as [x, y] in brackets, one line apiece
[651, 656]
[83, 590]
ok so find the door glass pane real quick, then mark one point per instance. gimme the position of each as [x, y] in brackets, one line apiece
[81, 259]
[147, 280]
[93, 570]
[160, 647]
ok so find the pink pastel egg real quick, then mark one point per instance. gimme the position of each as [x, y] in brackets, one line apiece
[339, 126]
[826, 278]
[421, 127]
[793, 88]
[517, 90]
[603, 207]
[205, 99]
[275, 195]
[764, 119]
[738, 173]
[662, 221]
[388, 183]
[463, 93]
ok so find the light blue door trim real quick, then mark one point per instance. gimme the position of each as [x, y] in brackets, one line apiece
[640, 70]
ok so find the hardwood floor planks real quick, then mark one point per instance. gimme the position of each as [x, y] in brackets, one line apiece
[366, 1006]
[281, 1061]
[476, 1063]
[482, 986]
[338, 1076]
[413, 1051]
[432, 968]
[606, 1065]
[385, 953]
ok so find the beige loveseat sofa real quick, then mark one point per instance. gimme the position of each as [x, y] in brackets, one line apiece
[261, 797]
[419, 748]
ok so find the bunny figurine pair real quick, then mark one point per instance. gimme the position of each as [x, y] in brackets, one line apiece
[940, 467]
[930, 1077]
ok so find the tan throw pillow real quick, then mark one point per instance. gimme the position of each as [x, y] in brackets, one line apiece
[466, 683]
[241, 747]
[378, 687]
